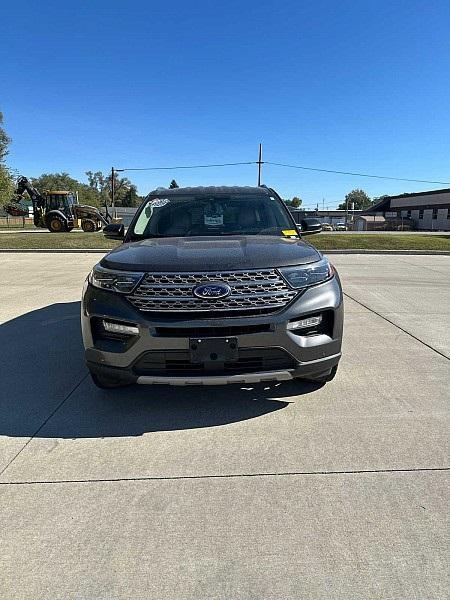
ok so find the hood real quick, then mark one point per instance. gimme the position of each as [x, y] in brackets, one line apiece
[210, 254]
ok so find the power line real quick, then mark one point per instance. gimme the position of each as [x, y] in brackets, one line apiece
[356, 174]
[276, 164]
[252, 162]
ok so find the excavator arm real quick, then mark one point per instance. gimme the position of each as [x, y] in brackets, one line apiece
[23, 185]
[15, 209]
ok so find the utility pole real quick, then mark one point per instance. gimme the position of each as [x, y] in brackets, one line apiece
[260, 163]
[113, 185]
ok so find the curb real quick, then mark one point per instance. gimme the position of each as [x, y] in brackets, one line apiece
[392, 252]
[105, 250]
[56, 250]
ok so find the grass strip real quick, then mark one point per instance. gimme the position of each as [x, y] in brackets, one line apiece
[382, 241]
[46, 240]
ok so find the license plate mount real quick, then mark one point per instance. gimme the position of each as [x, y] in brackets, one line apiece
[213, 350]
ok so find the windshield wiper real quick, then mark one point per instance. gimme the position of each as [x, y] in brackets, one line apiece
[252, 232]
[139, 238]
[240, 232]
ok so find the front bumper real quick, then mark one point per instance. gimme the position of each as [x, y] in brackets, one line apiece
[309, 356]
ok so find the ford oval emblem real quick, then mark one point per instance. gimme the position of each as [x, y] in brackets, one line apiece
[212, 291]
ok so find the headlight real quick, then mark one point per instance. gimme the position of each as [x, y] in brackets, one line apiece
[305, 275]
[116, 281]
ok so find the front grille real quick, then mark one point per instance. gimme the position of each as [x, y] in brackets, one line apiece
[229, 331]
[252, 292]
[173, 363]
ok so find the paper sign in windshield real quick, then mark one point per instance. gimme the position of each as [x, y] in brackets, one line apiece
[214, 220]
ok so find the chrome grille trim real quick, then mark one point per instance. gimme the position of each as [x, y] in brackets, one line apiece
[251, 290]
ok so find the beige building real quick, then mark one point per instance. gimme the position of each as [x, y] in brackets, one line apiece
[428, 211]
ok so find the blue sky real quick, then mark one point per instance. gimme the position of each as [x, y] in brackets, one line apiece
[348, 85]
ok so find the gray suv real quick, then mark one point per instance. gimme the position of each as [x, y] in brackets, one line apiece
[212, 285]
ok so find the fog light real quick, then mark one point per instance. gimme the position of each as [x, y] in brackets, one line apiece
[120, 328]
[303, 323]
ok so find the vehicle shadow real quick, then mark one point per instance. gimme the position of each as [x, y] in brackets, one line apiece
[46, 391]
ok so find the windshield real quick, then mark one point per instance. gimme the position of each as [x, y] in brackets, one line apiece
[60, 201]
[184, 216]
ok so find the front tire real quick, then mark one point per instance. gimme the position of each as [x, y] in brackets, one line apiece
[88, 226]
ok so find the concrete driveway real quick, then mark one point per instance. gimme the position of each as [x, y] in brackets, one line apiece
[267, 492]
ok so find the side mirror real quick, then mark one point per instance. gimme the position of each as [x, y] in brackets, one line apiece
[310, 226]
[114, 231]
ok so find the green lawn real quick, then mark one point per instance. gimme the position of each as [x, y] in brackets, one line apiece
[380, 241]
[56, 240]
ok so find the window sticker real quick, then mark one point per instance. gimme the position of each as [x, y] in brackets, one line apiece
[217, 220]
[213, 215]
[159, 202]
[290, 233]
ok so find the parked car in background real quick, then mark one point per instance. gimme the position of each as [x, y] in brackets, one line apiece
[327, 227]
[310, 225]
[340, 227]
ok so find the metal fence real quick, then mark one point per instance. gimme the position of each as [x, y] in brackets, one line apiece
[9, 222]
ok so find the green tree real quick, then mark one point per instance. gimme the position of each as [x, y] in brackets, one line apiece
[173, 185]
[131, 197]
[294, 203]
[6, 179]
[356, 199]
[5, 140]
[102, 184]
[7, 185]
[63, 181]
[96, 180]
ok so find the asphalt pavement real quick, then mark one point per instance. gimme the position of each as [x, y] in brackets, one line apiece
[276, 491]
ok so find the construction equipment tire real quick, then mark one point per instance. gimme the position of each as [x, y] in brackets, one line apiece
[56, 225]
[88, 225]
